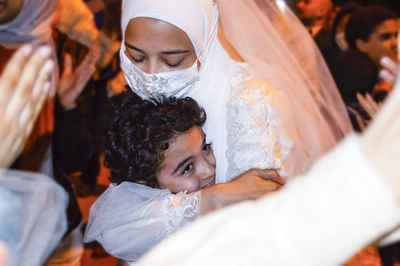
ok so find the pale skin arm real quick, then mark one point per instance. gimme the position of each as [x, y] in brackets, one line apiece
[24, 86]
[250, 185]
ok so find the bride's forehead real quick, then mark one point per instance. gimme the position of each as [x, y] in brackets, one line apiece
[153, 24]
[142, 30]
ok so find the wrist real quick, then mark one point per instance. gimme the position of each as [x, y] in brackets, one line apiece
[68, 106]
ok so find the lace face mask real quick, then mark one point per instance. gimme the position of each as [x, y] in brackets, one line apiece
[173, 83]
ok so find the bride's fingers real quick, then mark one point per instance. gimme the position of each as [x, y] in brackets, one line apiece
[11, 74]
[270, 175]
[28, 79]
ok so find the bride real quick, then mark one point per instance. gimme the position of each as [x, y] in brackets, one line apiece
[279, 101]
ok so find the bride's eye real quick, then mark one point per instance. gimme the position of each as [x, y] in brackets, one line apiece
[187, 169]
[173, 65]
[137, 60]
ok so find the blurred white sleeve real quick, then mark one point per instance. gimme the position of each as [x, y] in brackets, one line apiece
[321, 218]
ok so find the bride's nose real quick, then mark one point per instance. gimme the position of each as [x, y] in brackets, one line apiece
[150, 67]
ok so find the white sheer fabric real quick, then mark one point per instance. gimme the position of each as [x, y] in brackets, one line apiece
[128, 219]
[33, 216]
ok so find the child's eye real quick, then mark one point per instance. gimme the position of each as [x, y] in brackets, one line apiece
[207, 147]
[187, 169]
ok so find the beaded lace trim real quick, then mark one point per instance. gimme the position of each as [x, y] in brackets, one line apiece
[182, 208]
[253, 140]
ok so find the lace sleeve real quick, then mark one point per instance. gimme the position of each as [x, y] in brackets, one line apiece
[253, 130]
[129, 219]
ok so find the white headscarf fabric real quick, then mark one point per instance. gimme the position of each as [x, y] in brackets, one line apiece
[31, 25]
[182, 17]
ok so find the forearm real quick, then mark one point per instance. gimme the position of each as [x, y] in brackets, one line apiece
[250, 185]
[214, 198]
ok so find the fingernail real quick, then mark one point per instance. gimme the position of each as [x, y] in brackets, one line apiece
[46, 87]
[45, 51]
[386, 61]
[27, 49]
[48, 66]
[384, 74]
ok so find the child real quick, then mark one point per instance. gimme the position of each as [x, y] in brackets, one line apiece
[160, 167]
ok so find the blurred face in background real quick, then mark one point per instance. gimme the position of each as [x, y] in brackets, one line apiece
[383, 41]
[314, 9]
[340, 33]
[9, 9]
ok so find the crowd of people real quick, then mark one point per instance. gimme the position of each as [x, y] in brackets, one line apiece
[230, 103]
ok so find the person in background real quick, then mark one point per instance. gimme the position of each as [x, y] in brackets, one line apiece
[373, 31]
[338, 41]
[30, 21]
[32, 206]
[316, 16]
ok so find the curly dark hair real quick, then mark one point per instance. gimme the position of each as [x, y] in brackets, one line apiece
[138, 132]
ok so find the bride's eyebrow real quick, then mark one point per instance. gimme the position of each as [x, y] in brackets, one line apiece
[133, 47]
[175, 52]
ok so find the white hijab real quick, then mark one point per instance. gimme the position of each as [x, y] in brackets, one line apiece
[275, 44]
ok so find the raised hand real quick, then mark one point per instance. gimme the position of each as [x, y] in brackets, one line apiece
[73, 82]
[24, 85]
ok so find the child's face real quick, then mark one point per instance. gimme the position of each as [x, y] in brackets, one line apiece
[189, 163]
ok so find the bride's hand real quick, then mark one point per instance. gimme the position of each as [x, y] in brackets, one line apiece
[24, 85]
[250, 185]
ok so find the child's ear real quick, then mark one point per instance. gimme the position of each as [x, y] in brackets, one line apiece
[362, 45]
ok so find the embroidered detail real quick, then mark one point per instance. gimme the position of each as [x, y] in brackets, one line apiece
[181, 208]
[252, 130]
